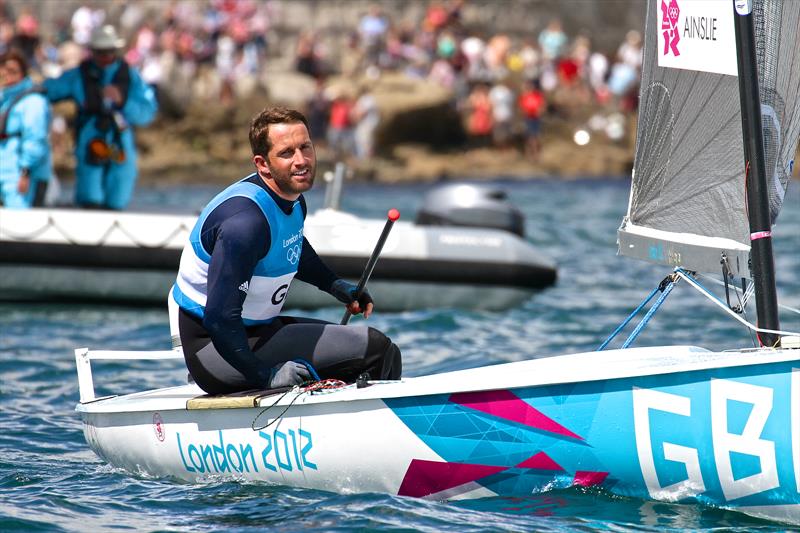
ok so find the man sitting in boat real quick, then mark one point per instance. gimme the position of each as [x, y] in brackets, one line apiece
[236, 269]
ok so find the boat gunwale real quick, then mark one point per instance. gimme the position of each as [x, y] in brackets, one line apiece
[584, 367]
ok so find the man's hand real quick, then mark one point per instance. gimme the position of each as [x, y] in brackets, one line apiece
[345, 293]
[24, 184]
[113, 93]
[288, 374]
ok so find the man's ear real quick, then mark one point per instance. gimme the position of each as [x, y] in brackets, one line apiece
[261, 165]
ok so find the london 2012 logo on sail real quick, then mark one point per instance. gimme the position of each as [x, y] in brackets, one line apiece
[695, 35]
[669, 26]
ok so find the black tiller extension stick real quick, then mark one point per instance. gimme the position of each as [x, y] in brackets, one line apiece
[391, 217]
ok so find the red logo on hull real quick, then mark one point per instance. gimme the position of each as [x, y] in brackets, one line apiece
[158, 427]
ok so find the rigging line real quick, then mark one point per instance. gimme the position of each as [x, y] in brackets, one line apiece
[741, 310]
[691, 281]
[300, 392]
[652, 311]
[627, 320]
[743, 305]
[314, 386]
[725, 277]
[748, 294]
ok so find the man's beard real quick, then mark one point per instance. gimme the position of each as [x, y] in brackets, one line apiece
[287, 185]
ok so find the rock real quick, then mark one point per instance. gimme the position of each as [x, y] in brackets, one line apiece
[412, 110]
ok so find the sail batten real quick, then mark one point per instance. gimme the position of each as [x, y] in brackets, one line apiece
[689, 176]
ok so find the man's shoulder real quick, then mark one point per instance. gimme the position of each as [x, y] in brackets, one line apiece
[34, 101]
[239, 218]
[68, 75]
[28, 99]
[242, 208]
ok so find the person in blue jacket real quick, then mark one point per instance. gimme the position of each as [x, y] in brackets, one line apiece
[25, 159]
[112, 98]
[243, 253]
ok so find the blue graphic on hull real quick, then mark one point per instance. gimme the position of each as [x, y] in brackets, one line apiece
[726, 437]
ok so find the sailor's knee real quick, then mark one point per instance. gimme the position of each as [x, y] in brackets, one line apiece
[379, 344]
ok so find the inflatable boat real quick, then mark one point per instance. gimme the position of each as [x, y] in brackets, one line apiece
[466, 249]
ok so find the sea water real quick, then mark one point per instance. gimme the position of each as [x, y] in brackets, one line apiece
[51, 481]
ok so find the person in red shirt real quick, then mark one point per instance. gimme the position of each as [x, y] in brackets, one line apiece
[340, 125]
[532, 104]
[479, 118]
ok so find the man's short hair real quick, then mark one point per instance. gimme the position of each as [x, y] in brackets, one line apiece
[259, 126]
[16, 56]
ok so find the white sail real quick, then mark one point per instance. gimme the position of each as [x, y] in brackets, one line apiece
[687, 206]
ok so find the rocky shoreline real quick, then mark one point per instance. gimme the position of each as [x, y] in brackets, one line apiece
[209, 144]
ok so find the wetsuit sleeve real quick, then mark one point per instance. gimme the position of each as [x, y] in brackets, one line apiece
[239, 241]
[313, 270]
[62, 88]
[141, 106]
[36, 124]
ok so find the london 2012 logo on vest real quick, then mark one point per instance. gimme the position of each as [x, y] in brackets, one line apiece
[669, 26]
[293, 252]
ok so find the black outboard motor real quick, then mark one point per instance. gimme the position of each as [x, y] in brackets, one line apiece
[480, 206]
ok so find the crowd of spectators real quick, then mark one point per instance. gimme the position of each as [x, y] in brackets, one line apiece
[501, 84]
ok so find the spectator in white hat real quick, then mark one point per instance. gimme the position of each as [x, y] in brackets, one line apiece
[111, 98]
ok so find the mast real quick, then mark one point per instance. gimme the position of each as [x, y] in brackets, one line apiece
[763, 265]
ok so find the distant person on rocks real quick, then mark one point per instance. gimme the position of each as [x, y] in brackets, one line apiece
[25, 158]
[341, 133]
[532, 105]
[367, 118]
[552, 40]
[373, 27]
[479, 119]
[111, 99]
[238, 265]
[318, 109]
[306, 58]
[503, 100]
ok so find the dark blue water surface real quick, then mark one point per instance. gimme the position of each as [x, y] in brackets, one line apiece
[51, 481]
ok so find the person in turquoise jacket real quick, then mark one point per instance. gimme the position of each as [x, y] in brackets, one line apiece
[25, 160]
[112, 98]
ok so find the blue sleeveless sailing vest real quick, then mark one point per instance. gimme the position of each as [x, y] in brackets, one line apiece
[266, 290]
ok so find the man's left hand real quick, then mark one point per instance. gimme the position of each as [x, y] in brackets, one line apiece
[345, 293]
[24, 184]
[365, 303]
[113, 93]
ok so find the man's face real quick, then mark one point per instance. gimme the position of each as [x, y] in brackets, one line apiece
[104, 58]
[10, 73]
[291, 163]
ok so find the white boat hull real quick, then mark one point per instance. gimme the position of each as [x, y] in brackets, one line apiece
[669, 423]
[137, 287]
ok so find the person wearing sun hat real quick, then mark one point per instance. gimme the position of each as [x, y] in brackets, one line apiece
[111, 98]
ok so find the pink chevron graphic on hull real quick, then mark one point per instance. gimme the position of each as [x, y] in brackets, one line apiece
[589, 479]
[503, 404]
[424, 478]
[540, 461]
